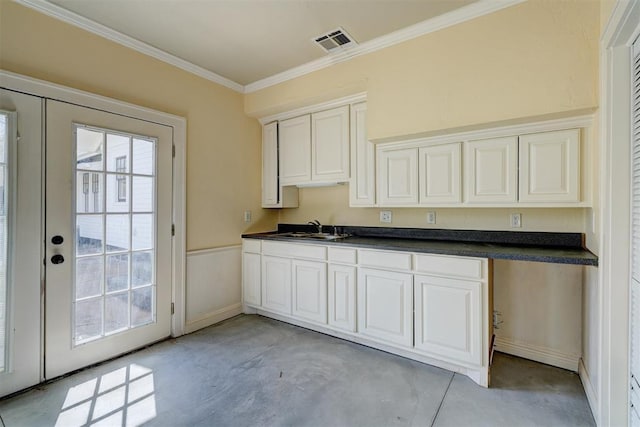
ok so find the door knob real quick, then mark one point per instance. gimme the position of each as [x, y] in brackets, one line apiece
[57, 240]
[57, 259]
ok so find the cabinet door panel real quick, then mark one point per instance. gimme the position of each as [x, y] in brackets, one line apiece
[550, 167]
[342, 297]
[385, 308]
[362, 186]
[330, 145]
[449, 318]
[251, 279]
[276, 284]
[491, 170]
[310, 290]
[295, 150]
[270, 191]
[440, 174]
[398, 172]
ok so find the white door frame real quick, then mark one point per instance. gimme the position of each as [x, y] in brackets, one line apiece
[45, 89]
[615, 212]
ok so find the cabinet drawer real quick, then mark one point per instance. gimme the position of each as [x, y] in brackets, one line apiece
[342, 255]
[471, 268]
[251, 245]
[383, 259]
[293, 250]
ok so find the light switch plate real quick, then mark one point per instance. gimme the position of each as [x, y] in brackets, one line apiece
[385, 216]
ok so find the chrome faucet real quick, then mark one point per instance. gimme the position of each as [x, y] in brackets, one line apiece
[317, 224]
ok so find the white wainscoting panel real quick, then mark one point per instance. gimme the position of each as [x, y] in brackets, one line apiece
[214, 286]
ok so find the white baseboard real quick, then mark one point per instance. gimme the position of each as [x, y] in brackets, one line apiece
[589, 390]
[213, 318]
[539, 354]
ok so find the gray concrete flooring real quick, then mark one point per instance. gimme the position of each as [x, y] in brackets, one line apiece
[254, 371]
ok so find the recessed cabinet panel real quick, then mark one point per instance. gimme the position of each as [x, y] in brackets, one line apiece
[449, 318]
[310, 290]
[342, 297]
[330, 145]
[440, 174]
[362, 186]
[491, 170]
[295, 150]
[270, 190]
[398, 172]
[276, 284]
[550, 167]
[251, 279]
[385, 309]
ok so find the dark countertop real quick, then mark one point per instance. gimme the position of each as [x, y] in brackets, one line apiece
[560, 248]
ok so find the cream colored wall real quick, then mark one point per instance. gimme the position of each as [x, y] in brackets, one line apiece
[538, 58]
[223, 145]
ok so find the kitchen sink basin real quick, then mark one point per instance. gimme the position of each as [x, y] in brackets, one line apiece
[319, 236]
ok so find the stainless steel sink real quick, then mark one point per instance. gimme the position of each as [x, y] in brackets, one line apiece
[319, 236]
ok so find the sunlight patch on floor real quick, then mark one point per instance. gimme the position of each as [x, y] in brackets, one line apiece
[124, 397]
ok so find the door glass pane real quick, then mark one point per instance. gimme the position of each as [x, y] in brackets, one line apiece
[115, 268]
[5, 190]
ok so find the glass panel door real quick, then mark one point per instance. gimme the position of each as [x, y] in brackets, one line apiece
[108, 235]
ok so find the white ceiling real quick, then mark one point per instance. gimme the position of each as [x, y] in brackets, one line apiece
[249, 40]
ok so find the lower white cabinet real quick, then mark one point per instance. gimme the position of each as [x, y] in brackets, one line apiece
[251, 278]
[448, 318]
[385, 305]
[341, 283]
[276, 284]
[309, 283]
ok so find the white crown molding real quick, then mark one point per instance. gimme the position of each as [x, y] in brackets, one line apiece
[72, 18]
[469, 12]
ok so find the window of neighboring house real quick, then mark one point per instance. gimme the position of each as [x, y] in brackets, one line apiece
[85, 190]
[121, 166]
[95, 188]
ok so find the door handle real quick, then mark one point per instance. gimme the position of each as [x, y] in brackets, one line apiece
[57, 259]
[57, 240]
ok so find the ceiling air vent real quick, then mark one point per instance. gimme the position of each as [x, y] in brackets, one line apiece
[334, 40]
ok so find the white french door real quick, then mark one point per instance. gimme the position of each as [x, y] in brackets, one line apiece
[20, 241]
[108, 235]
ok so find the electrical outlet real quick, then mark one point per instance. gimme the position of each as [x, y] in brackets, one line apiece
[247, 216]
[431, 217]
[385, 216]
[516, 220]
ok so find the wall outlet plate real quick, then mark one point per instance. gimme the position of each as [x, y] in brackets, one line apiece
[247, 216]
[385, 216]
[431, 217]
[516, 220]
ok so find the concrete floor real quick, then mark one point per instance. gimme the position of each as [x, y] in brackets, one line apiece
[254, 371]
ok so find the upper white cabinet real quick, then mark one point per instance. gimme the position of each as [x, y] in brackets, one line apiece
[314, 148]
[550, 167]
[492, 170]
[330, 145]
[273, 194]
[398, 176]
[362, 187]
[295, 150]
[439, 174]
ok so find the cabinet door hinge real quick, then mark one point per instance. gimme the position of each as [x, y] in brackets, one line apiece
[173, 229]
[172, 309]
